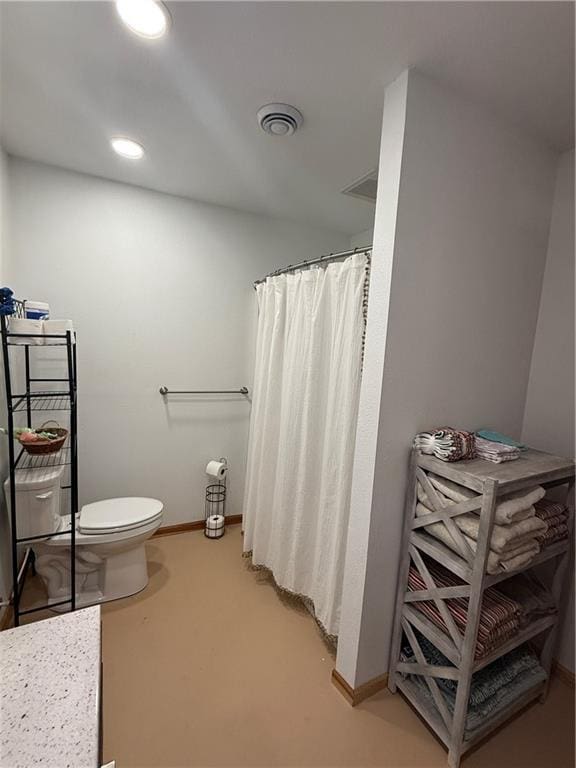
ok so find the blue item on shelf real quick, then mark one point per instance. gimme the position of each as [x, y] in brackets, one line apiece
[498, 437]
[37, 310]
[7, 306]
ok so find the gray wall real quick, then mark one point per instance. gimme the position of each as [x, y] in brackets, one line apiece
[3, 209]
[365, 237]
[549, 414]
[469, 249]
[160, 291]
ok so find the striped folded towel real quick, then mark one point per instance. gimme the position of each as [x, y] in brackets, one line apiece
[496, 452]
[499, 615]
[545, 509]
[555, 516]
[446, 443]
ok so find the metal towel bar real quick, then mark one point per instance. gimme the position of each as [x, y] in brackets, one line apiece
[165, 391]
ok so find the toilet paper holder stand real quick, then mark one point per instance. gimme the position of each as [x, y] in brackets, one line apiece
[215, 504]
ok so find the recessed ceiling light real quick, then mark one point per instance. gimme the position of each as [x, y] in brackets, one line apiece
[146, 18]
[127, 148]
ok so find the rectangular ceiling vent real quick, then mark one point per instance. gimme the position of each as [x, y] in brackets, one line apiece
[365, 188]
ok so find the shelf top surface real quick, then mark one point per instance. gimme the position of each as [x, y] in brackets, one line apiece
[49, 706]
[474, 472]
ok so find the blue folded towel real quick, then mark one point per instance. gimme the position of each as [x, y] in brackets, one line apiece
[498, 437]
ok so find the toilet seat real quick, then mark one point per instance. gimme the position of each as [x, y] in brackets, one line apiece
[112, 536]
[118, 515]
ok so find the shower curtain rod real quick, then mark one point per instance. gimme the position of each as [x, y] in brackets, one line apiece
[309, 262]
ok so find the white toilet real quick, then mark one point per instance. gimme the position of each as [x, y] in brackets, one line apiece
[110, 537]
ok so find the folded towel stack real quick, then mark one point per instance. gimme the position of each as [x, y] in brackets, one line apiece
[496, 452]
[498, 437]
[499, 615]
[515, 534]
[493, 688]
[446, 443]
[451, 444]
[555, 515]
[510, 508]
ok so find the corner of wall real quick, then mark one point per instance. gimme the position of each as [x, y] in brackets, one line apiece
[549, 413]
[390, 163]
[366, 237]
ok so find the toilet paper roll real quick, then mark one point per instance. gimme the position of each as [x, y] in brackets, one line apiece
[216, 468]
[214, 526]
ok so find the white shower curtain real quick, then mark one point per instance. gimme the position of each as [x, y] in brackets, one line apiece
[303, 427]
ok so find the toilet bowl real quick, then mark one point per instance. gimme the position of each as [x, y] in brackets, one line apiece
[110, 535]
[110, 558]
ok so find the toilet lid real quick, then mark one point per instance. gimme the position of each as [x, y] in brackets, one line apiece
[114, 514]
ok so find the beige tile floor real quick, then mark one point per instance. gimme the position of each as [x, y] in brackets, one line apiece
[210, 666]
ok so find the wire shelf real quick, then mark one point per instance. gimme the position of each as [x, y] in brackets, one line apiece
[43, 461]
[35, 397]
[43, 401]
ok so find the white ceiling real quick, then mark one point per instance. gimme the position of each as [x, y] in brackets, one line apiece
[72, 76]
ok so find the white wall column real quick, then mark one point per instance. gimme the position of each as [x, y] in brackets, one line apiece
[389, 172]
[461, 231]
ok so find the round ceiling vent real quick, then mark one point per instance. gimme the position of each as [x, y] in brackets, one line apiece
[279, 119]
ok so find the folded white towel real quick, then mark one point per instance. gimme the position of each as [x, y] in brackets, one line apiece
[497, 561]
[467, 526]
[513, 563]
[512, 506]
[510, 509]
[503, 536]
[525, 546]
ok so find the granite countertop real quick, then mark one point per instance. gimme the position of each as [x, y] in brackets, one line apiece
[50, 692]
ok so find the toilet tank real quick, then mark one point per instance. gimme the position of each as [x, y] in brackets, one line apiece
[37, 500]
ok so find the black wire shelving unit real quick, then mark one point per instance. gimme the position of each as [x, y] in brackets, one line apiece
[29, 408]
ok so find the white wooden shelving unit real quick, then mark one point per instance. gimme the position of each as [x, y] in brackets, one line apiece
[490, 481]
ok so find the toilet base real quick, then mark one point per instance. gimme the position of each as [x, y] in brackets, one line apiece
[125, 573]
[86, 599]
[111, 574]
